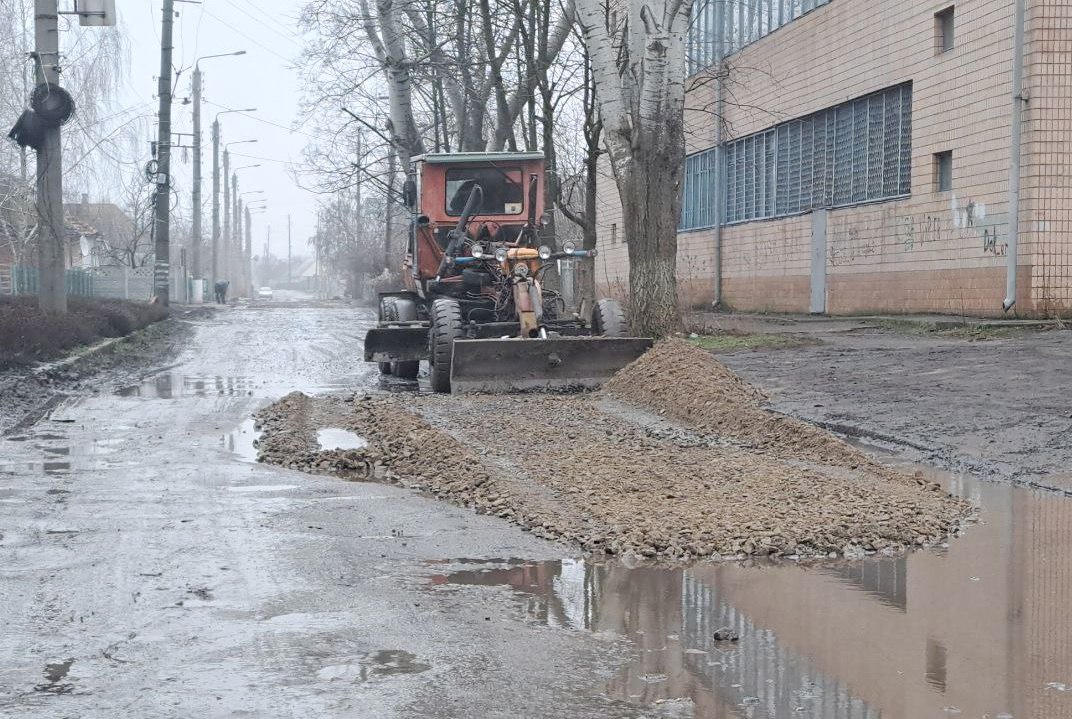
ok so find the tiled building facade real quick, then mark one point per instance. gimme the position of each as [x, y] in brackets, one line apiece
[864, 162]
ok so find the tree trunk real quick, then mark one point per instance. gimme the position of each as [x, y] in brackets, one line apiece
[651, 198]
[637, 69]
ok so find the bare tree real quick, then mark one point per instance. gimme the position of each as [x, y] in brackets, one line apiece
[132, 245]
[638, 56]
[18, 220]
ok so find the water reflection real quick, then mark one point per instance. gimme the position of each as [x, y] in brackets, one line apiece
[981, 629]
[171, 386]
[243, 441]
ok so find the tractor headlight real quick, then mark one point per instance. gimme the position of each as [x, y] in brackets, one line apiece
[500, 254]
[569, 246]
[545, 252]
[477, 250]
[522, 270]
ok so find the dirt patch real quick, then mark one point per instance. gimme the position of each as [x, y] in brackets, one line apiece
[738, 480]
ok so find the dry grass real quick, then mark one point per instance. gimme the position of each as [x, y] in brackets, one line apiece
[28, 335]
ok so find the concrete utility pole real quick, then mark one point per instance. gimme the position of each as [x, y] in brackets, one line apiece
[236, 239]
[226, 209]
[197, 88]
[247, 275]
[215, 200]
[52, 290]
[289, 279]
[162, 219]
[196, 229]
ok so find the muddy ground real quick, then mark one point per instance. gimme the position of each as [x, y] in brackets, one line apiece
[990, 403]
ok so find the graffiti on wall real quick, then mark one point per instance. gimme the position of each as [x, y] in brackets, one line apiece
[917, 232]
[851, 242]
[972, 220]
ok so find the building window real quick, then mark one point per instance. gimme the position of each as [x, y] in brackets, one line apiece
[721, 27]
[943, 30]
[698, 191]
[856, 152]
[943, 171]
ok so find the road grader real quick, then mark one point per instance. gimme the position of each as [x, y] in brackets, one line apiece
[473, 305]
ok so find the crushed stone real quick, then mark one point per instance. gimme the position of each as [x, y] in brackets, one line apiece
[576, 469]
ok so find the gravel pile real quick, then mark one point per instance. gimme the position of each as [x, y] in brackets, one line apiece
[597, 474]
[683, 382]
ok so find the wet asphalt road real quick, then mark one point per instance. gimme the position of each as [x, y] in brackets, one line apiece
[148, 569]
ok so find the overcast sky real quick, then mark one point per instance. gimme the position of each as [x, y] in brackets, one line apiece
[262, 78]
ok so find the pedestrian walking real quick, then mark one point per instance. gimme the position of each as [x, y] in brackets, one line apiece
[221, 291]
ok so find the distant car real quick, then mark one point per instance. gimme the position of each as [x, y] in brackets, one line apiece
[264, 293]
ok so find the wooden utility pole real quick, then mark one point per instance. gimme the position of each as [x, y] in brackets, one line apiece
[389, 210]
[289, 279]
[162, 227]
[52, 289]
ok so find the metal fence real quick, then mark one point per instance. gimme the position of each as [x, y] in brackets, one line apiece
[25, 280]
[126, 283]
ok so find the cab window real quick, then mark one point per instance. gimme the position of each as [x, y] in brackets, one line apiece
[503, 193]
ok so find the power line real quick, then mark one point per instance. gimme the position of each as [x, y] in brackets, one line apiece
[289, 38]
[251, 39]
[269, 122]
[258, 157]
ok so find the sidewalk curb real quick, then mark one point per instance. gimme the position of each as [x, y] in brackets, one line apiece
[44, 370]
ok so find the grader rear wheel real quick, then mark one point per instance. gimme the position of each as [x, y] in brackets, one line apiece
[388, 313]
[405, 311]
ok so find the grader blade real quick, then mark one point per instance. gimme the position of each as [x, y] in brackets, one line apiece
[396, 344]
[534, 365]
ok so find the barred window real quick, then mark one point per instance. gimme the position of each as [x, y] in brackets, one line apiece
[856, 152]
[722, 27]
[698, 194]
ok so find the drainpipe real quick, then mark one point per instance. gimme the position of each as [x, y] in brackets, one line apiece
[1018, 100]
[720, 164]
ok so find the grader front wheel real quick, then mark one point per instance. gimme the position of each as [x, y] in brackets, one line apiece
[446, 327]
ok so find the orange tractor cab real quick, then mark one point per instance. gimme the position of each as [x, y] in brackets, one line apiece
[474, 306]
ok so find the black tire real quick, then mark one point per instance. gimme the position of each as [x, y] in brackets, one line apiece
[405, 311]
[387, 313]
[608, 320]
[446, 327]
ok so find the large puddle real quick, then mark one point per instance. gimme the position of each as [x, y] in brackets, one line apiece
[982, 628]
[172, 386]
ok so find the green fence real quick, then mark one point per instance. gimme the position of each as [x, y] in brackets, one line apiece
[25, 280]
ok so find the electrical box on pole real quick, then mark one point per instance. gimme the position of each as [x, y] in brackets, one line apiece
[95, 13]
